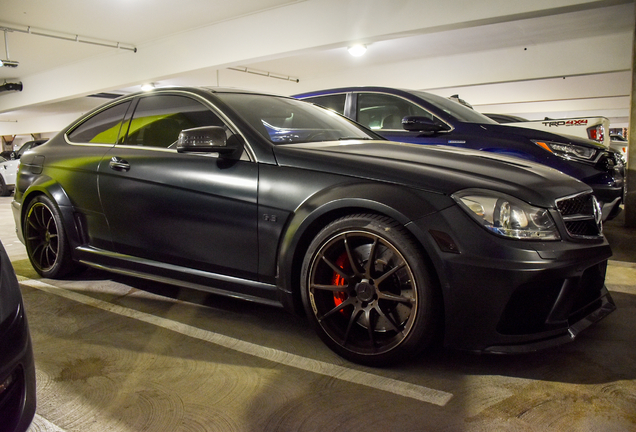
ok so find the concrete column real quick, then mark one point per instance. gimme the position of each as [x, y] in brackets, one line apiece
[630, 198]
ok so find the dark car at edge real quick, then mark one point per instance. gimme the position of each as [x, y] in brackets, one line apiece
[17, 368]
[424, 118]
[386, 247]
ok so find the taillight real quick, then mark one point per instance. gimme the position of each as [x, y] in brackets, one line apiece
[596, 133]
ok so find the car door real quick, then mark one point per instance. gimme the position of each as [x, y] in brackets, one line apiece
[383, 113]
[191, 210]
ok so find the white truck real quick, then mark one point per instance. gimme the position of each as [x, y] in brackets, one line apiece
[594, 128]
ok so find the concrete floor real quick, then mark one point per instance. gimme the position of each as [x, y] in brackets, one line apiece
[119, 354]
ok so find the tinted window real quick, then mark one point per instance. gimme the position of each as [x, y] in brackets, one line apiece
[287, 121]
[334, 102]
[158, 120]
[455, 109]
[385, 112]
[102, 128]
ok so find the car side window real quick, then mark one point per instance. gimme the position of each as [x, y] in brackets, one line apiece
[385, 112]
[335, 102]
[102, 128]
[158, 120]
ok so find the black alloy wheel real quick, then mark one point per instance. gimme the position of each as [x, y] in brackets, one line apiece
[368, 292]
[45, 239]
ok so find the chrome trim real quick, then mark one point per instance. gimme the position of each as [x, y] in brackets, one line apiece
[595, 216]
[235, 130]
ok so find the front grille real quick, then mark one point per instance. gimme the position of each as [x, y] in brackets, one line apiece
[581, 215]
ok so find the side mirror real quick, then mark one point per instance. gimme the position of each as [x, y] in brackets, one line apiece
[422, 124]
[208, 139]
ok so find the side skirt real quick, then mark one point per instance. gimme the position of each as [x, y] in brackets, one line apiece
[243, 289]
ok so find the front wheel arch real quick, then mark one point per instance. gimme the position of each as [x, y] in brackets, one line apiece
[295, 243]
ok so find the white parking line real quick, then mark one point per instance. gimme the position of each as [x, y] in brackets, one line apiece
[40, 424]
[400, 388]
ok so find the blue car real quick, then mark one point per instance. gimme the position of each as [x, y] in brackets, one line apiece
[423, 118]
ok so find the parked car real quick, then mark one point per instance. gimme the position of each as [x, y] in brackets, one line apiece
[9, 168]
[384, 246]
[593, 128]
[423, 118]
[619, 144]
[17, 368]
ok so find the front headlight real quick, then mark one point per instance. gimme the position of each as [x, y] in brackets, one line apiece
[507, 216]
[568, 151]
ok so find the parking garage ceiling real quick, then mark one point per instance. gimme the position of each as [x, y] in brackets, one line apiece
[553, 58]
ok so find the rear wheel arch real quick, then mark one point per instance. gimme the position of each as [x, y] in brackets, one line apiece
[53, 191]
[46, 238]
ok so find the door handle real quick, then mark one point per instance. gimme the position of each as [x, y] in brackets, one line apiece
[118, 164]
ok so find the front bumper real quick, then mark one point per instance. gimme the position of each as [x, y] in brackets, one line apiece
[610, 199]
[502, 295]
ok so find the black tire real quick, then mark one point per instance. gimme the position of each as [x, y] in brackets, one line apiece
[368, 292]
[4, 189]
[45, 239]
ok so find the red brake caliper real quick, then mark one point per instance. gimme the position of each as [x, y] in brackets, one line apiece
[343, 263]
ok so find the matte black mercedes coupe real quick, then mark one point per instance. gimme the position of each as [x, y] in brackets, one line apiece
[383, 245]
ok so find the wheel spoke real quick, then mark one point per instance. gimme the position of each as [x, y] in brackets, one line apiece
[352, 320]
[370, 260]
[334, 288]
[379, 280]
[390, 320]
[338, 308]
[352, 261]
[335, 268]
[368, 317]
[396, 298]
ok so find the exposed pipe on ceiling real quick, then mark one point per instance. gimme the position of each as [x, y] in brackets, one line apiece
[68, 37]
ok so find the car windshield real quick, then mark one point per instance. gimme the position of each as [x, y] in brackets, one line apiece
[283, 120]
[455, 109]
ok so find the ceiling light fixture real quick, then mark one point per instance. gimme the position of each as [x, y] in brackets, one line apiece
[7, 62]
[357, 50]
[147, 86]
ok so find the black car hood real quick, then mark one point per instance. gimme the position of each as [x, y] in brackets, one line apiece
[437, 169]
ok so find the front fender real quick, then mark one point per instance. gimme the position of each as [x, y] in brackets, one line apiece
[397, 202]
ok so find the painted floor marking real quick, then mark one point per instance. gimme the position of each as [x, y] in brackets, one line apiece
[401, 388]
[40, 424]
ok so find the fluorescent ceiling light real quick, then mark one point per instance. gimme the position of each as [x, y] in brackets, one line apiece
[148, 86]
[357, 50]
[8, 63]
